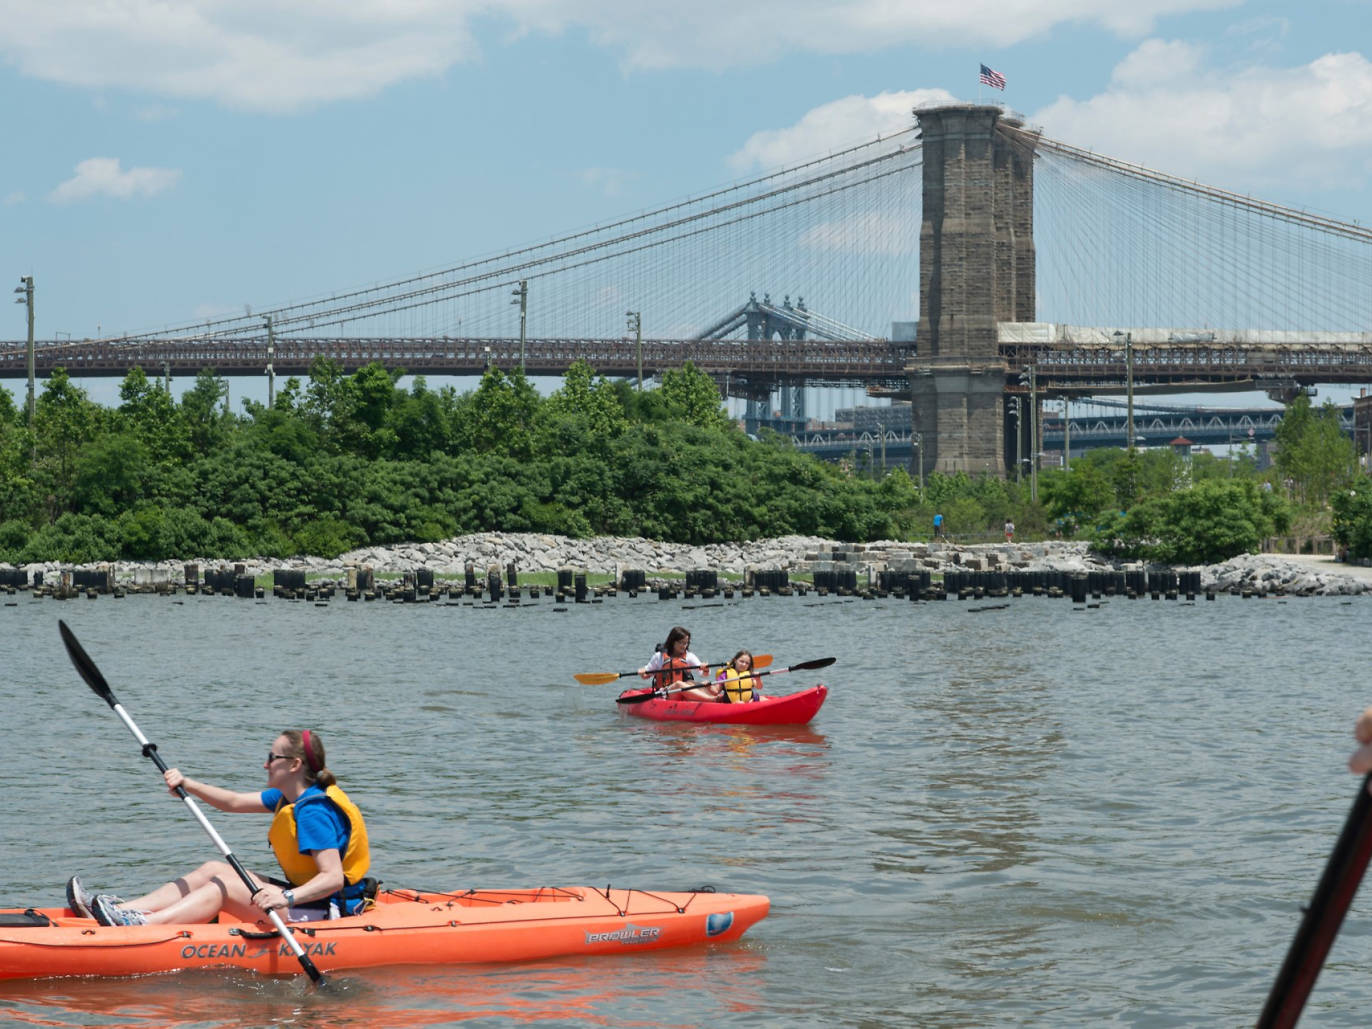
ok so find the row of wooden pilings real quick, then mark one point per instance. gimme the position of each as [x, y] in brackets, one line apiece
[497, 584]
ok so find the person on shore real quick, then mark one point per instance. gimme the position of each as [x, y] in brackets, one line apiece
[740, 685]
[317, 835]
[673, 664]
[1360, 761]
[938, 526]
[1009, 531]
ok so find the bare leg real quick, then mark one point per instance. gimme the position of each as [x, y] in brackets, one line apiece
[198, 897]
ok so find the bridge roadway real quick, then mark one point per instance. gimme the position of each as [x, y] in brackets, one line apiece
[1069, 360]
[749, 365]
[1153, 428]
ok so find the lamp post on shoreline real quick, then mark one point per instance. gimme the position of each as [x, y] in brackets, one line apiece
[636, 327]
[917, 439]
[521, 296]
[27, 299]
[1128, 385]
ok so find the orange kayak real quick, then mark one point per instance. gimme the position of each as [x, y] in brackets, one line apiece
[791, 709]
[404, 927]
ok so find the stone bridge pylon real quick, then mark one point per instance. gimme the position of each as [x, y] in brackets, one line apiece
[976, 268]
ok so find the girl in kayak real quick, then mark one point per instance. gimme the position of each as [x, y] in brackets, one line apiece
[739, 684]
[317, 835]
[674, 664]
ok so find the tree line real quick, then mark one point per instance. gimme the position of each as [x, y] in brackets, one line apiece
[340, 461]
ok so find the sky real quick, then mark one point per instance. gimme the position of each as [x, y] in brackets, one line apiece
[167, 161]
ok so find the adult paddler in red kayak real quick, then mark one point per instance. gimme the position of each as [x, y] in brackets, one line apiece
[674, 664]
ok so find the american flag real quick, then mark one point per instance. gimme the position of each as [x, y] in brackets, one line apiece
[992, 77]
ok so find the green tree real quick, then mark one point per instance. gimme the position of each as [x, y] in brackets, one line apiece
[1352, 526]
[1208, 523]
[500, 416]
[65, 420]
[1312, 451]
[690, 394]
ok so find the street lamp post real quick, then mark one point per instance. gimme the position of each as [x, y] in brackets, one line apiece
[522, 299]
[636, 327]
[1128, 385]
[27, 300]
[1016, 415]
[917, 438]
[1033, 434]
[1066, 433]
[271, 372]
[1030, 379]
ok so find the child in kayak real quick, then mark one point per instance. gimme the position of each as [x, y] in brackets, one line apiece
[739, 684]
[318, 836]
[674, 664]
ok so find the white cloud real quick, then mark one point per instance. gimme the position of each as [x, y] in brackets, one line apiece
[835, 125]
[17, 197]
[1169, 108]
[608, 181]
[286, 55]
[102, 176]
[725, 33]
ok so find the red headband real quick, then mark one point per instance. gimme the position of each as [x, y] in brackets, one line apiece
[309, 752]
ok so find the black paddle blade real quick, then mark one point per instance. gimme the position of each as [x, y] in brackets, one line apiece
[85, 665]
[639, 698]
[806, 666]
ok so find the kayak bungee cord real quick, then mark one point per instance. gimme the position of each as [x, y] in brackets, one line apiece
[97, 683]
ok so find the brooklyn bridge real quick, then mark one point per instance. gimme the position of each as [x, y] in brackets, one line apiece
[970, 265]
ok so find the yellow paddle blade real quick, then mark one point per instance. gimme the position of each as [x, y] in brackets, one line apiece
[599, 678]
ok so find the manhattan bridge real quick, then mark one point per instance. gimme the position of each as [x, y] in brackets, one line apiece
[970, 265]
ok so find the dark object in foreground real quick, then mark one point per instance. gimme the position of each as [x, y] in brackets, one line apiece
[1338, 885]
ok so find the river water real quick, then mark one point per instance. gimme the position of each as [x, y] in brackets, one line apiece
[1038, 815]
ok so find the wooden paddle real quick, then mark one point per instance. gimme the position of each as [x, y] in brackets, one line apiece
[601, 678]
[804, 666]
[1338, 884]
[97, 682]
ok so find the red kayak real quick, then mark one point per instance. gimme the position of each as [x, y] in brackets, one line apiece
[792, 709]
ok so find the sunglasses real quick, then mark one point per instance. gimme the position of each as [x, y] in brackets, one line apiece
[277, 757]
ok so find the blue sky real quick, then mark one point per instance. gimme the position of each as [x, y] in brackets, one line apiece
[168, 162]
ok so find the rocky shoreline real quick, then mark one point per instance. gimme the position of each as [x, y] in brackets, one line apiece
[797, 555]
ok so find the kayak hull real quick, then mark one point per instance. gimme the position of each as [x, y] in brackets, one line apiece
[792, 709]
[405, 927]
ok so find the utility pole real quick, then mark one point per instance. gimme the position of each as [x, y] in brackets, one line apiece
[636, 327]
[1066, 433]
[1128, 387]
[1033, 434]
[918, 439]
[27, 299]
[522, 293]
[1019, 407]
[271, 354]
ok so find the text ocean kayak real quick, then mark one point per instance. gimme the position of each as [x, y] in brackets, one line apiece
[405, 927]
[792, 709]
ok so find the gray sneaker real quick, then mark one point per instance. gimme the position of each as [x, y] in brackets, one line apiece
[79, 899]
[107, 912]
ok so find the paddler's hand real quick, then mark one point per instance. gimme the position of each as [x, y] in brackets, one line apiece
[1360, 761]
[270, 897]
[174, 779]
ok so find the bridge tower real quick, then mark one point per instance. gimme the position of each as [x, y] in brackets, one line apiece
[976, 268]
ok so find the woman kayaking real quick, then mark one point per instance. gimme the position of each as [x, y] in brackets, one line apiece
[737, 680]
[317, 835]
[674, 664]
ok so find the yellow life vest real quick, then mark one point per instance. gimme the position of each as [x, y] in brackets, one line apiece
[301, 868]
[738, 687]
